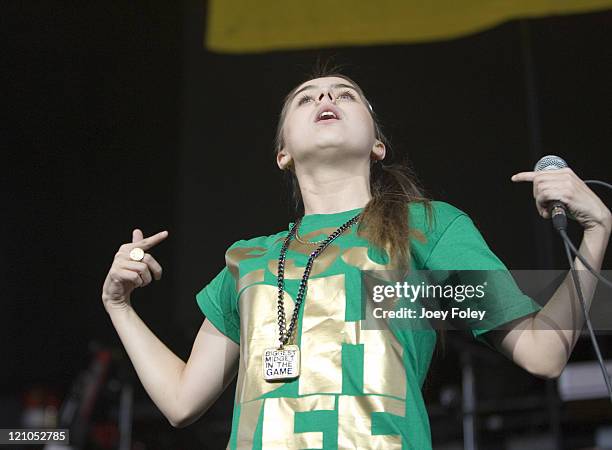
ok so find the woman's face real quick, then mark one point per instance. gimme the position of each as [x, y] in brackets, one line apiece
[327, 121]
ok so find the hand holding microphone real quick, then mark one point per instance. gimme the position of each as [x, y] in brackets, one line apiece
[558, 190]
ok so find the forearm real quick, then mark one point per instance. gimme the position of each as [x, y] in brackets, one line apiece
[556, 328]
[158, 368]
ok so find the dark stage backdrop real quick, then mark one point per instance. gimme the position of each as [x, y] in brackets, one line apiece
[116, 117]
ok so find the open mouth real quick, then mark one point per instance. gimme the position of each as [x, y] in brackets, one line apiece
[327, 114]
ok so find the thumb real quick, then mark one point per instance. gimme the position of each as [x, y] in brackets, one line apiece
[137, 235]
[543, 210]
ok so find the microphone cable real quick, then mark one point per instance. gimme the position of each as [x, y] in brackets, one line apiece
[601, 183]
[568, 241]
[570, 246]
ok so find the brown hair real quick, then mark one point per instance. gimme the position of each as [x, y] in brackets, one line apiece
[384, 221]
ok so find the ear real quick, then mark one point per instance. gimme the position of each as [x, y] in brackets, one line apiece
[284, 160]
[378, 151]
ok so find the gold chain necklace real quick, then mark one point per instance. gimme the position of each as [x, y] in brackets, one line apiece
[300, 240]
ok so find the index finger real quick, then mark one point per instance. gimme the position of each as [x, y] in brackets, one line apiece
[523, 176]
[151, 241]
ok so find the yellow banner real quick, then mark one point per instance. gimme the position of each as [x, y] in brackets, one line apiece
[247, 26]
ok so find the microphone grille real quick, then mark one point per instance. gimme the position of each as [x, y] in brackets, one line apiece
[550, 162]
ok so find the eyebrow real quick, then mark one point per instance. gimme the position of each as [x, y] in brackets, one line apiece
[333, 86]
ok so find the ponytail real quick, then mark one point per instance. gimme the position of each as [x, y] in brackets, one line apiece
[385, 220]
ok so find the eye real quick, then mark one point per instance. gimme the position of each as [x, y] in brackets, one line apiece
[304, 99]
[347, 95]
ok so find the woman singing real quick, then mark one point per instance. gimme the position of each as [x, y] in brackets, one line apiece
[285, 313]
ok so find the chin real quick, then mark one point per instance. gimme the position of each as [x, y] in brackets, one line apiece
[334, 155]
[332, 145]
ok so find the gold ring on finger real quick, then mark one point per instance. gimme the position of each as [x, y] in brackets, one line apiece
[137, 254]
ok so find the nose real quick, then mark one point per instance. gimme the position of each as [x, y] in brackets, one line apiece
[329, 95]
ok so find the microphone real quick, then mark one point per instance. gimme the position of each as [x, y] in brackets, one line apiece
[555, 207]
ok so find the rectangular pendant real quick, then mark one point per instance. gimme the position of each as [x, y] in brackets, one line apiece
[281, 364]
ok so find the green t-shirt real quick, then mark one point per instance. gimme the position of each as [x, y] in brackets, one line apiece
[357, 388]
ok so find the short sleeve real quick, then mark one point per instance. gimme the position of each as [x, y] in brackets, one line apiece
[461, 247]
[218, 300]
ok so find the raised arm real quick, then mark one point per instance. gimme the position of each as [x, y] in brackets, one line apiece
[212, 365]
[182, 391]
[542, 343]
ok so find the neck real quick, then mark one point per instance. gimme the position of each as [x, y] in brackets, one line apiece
[331, 190]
